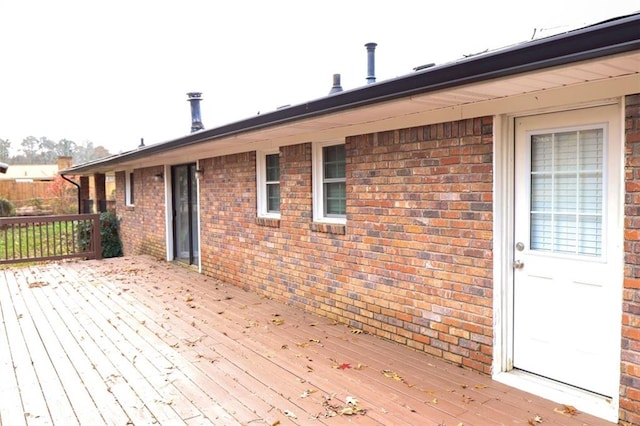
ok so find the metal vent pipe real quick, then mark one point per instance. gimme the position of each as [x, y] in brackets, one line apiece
[196, 121]
[336, 85]
[371, 63]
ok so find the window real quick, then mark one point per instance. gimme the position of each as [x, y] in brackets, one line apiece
[329, 182]
[268, 176]
[129, 185]
[567, 198]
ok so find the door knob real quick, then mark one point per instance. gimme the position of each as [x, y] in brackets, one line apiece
[518, 264]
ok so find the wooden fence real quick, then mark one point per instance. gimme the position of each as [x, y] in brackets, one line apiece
[41, 238]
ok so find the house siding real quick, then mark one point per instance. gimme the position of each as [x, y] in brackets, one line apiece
[142, 225]
[630, 368]
[413, 263]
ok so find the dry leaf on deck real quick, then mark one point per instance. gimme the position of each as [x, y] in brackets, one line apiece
[390, 374]
[356, 331]
[277, 321]
[344, 366]
[289, 413]
[306, 393]
[481, 386]
[535, 421]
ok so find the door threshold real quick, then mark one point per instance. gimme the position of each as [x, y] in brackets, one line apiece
[584, 401]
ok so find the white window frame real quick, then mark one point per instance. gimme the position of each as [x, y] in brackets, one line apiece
[261, 184]
[128, 176]
[318, 184]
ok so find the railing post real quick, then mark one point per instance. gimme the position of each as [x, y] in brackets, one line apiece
[96, 234]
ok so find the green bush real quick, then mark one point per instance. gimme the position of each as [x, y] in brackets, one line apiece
[7, 208]
[109, 236]
[111, 244]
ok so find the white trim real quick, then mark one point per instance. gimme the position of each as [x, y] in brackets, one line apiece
[261, 179]
[503, 190]
[167, 213]
[198, 222]
[503, 226]
[318, 187]
[586, 402]
[128, 175]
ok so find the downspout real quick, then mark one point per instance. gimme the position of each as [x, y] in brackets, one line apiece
[77, 190]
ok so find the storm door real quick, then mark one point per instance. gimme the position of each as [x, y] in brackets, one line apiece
[567, 274]
[185, 214]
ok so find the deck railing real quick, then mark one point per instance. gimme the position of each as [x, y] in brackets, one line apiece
[41, 238]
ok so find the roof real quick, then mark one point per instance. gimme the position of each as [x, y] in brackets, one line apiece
[616, 38]
[31, 171]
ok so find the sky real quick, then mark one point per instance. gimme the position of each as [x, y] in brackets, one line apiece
[113, 72]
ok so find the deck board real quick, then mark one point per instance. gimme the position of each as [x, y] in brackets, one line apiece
[136, 341]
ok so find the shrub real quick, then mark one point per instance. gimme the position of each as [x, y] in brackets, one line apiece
[7, 208]
[111, 243]
[109, 236]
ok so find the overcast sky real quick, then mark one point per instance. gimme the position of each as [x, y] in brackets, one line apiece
[115, 71]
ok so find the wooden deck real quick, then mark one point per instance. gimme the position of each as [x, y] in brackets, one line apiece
[132, 341]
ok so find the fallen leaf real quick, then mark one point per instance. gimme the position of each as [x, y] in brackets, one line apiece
[356, 331]
[307, 392]
[277, 321]
[481, 386]
[537, 419]
[351, 400]
[276, 423]
[570, 410]
[290, 413]
[360, 366]
[392, 375]
[344, 366]
[189, 298]
[347, 411]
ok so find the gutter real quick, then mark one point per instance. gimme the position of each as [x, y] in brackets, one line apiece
[77, 191]
[615, 36]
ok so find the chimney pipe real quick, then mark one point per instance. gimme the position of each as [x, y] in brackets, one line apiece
[371, 65]
[196, 121]
[336, 85]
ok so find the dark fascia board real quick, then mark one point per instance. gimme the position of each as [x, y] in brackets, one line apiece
[618, 35]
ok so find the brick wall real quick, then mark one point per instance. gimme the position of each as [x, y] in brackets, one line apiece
[142, 226]
[630, 380]
[413, 263]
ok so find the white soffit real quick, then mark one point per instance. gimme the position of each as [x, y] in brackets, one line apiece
[375, 117]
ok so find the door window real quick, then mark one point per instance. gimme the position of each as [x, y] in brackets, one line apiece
[567, 192]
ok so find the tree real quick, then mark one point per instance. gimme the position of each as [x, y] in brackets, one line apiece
[46, 151]
[30, 149]
[5, 149]
[65, 148]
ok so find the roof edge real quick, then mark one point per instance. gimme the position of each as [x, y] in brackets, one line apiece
[614, 36]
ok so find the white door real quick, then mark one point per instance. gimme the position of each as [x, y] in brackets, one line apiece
[567, 254]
